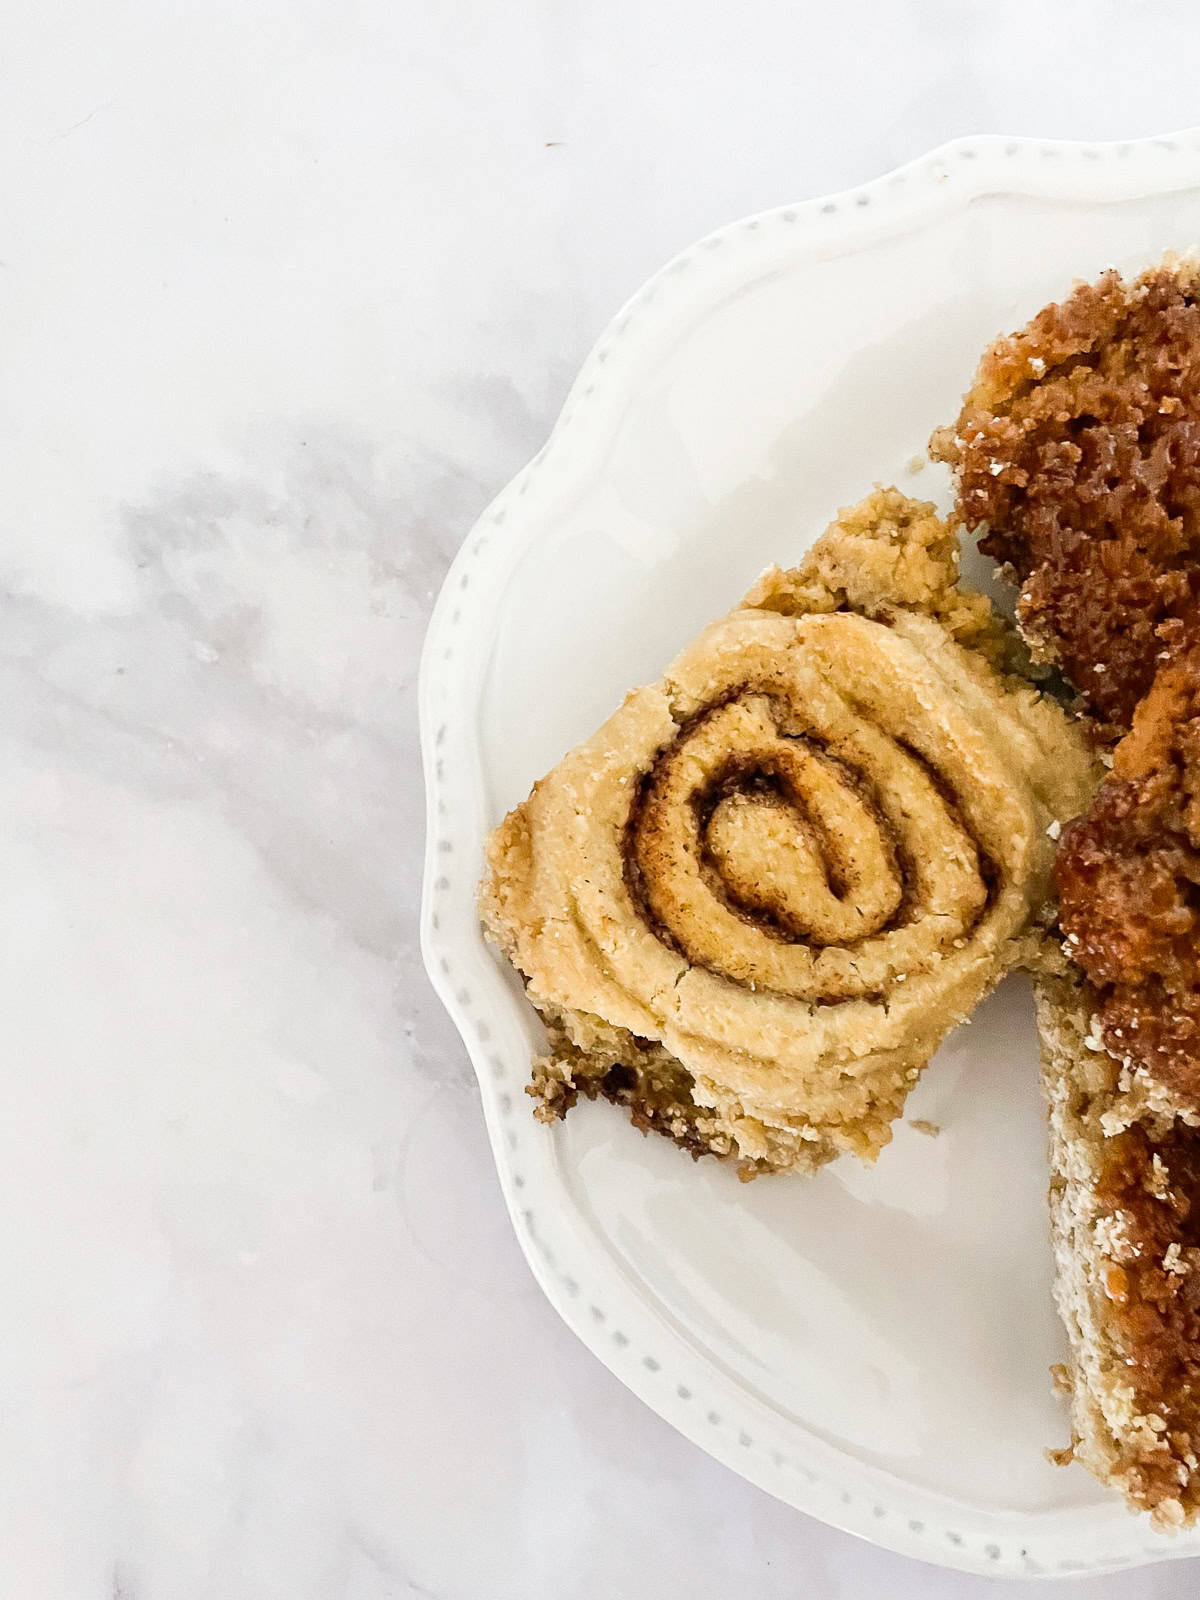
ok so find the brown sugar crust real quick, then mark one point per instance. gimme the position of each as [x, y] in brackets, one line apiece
[1126, 1227]
[1078, 459]
[1128, 879]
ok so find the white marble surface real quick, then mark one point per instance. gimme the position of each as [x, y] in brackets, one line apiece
[289, 289]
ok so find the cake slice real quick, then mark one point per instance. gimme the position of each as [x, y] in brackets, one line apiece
[1077, 462]
[1077, 454]
[1126, 1234]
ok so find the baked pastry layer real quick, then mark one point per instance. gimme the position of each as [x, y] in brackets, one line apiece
[755, 901]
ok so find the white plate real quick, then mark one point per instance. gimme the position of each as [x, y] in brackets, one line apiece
[872, 1345]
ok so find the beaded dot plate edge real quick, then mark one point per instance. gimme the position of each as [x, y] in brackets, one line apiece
[595, 1302]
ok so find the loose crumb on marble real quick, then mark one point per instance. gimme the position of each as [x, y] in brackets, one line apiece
[931, 1130]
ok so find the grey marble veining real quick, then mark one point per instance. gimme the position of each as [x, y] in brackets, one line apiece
[289, 292]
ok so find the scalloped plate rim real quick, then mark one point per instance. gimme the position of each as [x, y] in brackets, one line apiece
[946, 178]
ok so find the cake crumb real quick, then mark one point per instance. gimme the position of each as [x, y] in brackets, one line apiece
[931, 1130]
[1173, 1260]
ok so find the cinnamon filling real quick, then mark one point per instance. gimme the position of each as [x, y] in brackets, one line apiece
[748, 818]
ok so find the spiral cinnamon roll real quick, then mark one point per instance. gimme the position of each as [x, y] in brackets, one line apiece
[754, 902]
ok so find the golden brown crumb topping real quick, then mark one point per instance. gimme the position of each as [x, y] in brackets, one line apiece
[825, 826]
[1078, 458]
[1078, 455]
[1128, 879]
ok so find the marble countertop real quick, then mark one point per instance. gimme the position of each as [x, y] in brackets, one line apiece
[289, 291]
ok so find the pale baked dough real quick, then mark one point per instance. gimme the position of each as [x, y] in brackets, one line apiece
[754, 902]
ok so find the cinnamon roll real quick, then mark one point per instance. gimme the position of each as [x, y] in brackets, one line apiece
[752, 905]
